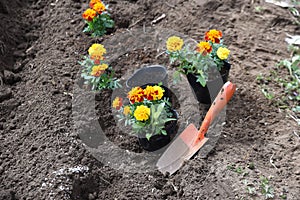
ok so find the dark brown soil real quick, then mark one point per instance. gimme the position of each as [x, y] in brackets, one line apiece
[42, 155]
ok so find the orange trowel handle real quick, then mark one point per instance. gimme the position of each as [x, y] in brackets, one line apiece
[216, 107]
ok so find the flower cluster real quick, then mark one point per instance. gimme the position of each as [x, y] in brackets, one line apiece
[199, 60]
[97, 18]
[147, 110]
[96, 72]
[213, 47]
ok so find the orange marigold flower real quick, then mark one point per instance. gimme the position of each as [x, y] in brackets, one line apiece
[99, 7]
[213, 35]
[96, 51]
[117, 103]
[174, 43]
[204, 47]
[136, 94]
[154, 92]
[97, 70]
[89, 14]
[126, 110]
[93, 2]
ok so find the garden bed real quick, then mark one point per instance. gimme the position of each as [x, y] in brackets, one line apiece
[42, 156]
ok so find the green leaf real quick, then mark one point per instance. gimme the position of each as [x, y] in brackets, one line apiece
[201, 80]
[148, 136]
[164, 132]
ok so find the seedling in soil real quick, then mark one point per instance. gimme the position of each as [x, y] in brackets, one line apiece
[267, 94]
[251, 190]
[239, 170]
[288, 84]
[250, 187]
[230, 167]
[283, 196]
[266, 189]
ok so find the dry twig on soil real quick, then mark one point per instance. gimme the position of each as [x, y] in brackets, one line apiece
[271, 162]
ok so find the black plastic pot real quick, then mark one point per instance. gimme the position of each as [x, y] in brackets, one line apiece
[159, 141]
[149, 74]
[207, 94]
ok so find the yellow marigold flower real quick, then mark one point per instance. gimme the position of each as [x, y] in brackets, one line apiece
[117, 103]
[103, 66]
[89, 14]
[154, 92]
[213, 35]
[136, 94]
[142, 113]
[204, 47]
[223, 53]
[99, 7]
[93, 2]
[96, 51]
[174, 43]
[126, 110]
[97, 70]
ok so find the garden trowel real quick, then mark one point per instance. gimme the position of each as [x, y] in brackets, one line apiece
[191, 140]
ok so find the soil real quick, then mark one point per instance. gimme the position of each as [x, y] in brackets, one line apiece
[42, 154]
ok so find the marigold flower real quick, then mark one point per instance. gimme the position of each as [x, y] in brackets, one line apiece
[204, 47]
[93, 2]
[223, 53]
[99, 7]
[213, 35]
[136, 94]
[174, 43]
[126, 110]
[154, 92]
[117, 103]
[142, 113]
[89, 14]
[103, 66]
[96, 51]
[97, 70]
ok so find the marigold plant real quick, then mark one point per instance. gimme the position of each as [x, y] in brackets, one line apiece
[97, 18]
[208, 55]
[97, 73]
[147, 110]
